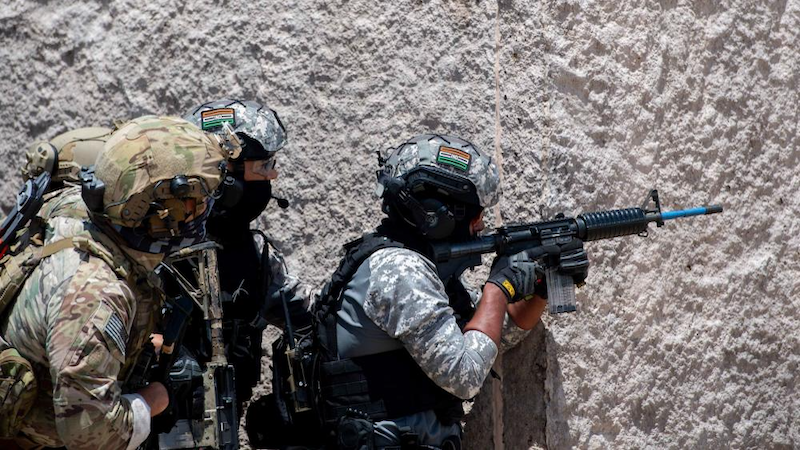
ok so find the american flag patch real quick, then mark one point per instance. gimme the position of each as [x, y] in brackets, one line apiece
[453, 157]
[216, 117]
[116, 331]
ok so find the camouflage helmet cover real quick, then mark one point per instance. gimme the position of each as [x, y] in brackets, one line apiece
[451, 154]
[73, 150]
[141, 158]
[251, 119]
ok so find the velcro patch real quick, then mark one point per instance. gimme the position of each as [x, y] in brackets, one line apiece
[214, 118]
[509, 287]
[454, 157]
[115, 329]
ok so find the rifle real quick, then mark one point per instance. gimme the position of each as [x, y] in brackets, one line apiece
[218, 427]
[152, 366]
[29, 201]
[194, 270]
[587, 227]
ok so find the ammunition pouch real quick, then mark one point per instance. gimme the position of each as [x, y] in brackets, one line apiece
[18, 390]
[23, 256]
[382, 386]
[282, 419]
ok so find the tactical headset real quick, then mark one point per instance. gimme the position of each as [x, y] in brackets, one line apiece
[435, 198]
[161, 209]
[64, 155]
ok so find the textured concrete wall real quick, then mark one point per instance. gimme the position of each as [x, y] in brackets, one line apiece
[686, 339]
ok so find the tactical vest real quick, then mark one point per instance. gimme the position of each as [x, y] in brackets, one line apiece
[383, 385]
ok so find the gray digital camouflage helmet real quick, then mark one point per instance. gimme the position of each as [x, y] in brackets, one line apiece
[448, 162]
[258, 126]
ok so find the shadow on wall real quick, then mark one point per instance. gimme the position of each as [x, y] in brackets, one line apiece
[557, 432]
[516, 409]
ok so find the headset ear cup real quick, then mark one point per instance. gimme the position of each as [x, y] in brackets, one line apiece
[439, 220]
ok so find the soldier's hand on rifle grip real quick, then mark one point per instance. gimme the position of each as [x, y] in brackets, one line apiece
[518, 276]
[574, 261]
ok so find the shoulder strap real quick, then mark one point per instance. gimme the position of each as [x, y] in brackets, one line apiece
[16, 268]
[55, 247]
[89, 245]
[88, 242]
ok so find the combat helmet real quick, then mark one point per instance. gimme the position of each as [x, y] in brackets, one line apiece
[65, 155]
[155, 181]
[434, 182]
[259, 127]
[260, 134]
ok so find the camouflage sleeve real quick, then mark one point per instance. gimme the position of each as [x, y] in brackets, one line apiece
[512, 334]
[298, 295]
[407, 300]
[86, 347]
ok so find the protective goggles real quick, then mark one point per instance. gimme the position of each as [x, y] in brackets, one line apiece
[258, 166]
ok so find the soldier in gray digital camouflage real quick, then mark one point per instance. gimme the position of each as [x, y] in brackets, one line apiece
[401, 342]
[89, 305]
[253, 277]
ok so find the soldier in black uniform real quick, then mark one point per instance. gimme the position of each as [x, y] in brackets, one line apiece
[253, 275]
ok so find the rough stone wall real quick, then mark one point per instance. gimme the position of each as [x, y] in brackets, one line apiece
[687, 339]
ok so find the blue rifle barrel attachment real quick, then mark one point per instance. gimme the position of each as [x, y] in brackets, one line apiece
[703, 210]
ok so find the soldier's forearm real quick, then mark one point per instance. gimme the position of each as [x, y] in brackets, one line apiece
[488, 318]
[156, 397]
[526, 313]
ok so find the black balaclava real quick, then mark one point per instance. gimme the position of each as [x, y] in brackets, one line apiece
[253, 201]
[243, 201]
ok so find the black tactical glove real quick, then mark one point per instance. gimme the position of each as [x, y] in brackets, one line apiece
[573, 261]
[519, 275]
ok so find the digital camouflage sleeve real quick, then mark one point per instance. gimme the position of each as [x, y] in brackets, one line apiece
[407, 300]
[297, 294]
[82, 328]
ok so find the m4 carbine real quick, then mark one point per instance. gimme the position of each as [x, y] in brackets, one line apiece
[586, 227]
[195, 270]
[218, 428]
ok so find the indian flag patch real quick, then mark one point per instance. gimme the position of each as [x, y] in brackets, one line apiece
[216, 117]
[453, 157]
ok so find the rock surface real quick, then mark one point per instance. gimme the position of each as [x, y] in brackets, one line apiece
[687, 339]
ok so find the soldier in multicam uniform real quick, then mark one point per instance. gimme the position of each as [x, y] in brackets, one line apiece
[402, 343]
[252, 280]
[88, 309]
